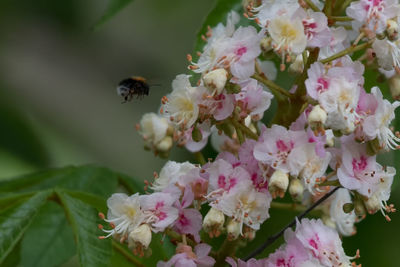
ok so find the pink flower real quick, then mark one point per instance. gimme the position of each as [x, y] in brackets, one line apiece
[224, 177]
[158, 210]
[321, 242]
[249, 263]
[373, 13]
[220, 106]
[188, 258]
[277, 145]
[290, 255]
[252, 99]
[189, 220]
[358, 171]
[315, 27]
[244, 49]
[376, 123]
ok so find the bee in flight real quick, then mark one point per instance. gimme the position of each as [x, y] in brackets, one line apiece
[129, 87]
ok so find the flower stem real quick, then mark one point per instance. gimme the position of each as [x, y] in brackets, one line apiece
[312, 5]
[275, 89]
[243, 129]
[345, 4]
[228, 248]
[340, 18]
[346, 51]
[274, 237]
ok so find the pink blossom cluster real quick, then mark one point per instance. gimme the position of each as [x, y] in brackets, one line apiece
[311, 244]
[327, 130]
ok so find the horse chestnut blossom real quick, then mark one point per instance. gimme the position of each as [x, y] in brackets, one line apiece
[311, 139]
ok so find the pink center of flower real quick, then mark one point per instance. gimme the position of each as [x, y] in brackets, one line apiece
[359, 165]
[183, 220]
[281, 146]
[239, 52]
[160, 214]
[323, 84]
[221, 181]
[313, 244]
[234, 165]
[309, 27]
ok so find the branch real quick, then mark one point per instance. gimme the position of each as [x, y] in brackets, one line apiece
[274, 237]
[348, 50]
[275, 89]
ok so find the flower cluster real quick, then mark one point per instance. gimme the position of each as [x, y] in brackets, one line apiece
[326, 132]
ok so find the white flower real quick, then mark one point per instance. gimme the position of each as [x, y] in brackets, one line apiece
[388, 53]
[245, 205]
[378, 200]
[305, 163]
[377, 125]
[216, 44]
[181, 106]
[344, 221]
[124, 214]
[271, 9]
[170, 174]
[287, 35]
[373, 14]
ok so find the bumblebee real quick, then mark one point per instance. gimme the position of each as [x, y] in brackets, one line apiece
[129, 87]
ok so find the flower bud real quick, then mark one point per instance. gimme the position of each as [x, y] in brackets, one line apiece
[213, 222]
[165, 144]
[278, 183]
[140, 238]
[348, 207]
[298, 65]
[233, 229]
[296, 189]
[392, 29]
[196, 134]
[394, 85]
[372, 204]
[216, 80]
[317, 116]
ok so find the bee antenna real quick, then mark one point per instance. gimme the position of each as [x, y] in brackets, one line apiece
[156, 84]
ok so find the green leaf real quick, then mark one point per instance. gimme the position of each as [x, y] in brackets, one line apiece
[218, 14]
[90, 179]
[11, 199]
[114, 6]
[15, 221]
[49, 240]
[92, 251]
[97, 202]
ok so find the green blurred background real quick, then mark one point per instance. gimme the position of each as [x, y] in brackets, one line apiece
[58, 103]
